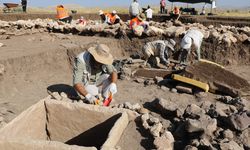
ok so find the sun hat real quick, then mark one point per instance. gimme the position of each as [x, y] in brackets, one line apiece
[186, 42]
[101, 12]
[114, 12]
[141, 17]
[170, 44]
[101, 54]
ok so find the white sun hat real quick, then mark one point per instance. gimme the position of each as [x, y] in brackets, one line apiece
[186, 42]
[101, 54]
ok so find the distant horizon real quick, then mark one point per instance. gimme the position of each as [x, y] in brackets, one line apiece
[125, 3]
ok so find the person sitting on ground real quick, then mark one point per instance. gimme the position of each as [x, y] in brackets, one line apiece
[82, 21]
[109, 18]
[149, 13]
[160, 49]
[134, 9]
[94, 74]
[192, 37]
[62, 14]
[176, 13]
[138, 24]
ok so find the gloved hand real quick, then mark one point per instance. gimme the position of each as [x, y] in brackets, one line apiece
[90, 98]
[113, 88]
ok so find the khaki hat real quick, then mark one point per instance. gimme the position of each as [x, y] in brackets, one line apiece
[141, 17]
[170, 44]
[101, 54]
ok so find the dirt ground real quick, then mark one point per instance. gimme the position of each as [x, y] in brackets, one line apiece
[33, 63]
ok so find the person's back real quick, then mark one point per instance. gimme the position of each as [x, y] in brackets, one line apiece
[196, 36]
[61, 12]
[149, 13]
[134, 9]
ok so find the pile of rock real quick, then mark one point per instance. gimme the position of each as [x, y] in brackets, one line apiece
[221, 34]
[208, 126]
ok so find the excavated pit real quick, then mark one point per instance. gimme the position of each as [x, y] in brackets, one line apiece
[59, 122]
[36, 63]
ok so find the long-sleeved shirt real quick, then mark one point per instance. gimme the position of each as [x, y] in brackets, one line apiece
[85, 74]
[158, 48]
[134, 9]
[195, 35]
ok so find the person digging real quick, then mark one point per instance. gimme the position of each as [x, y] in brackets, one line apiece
[94, 76]
[193, 38]
[157, 52]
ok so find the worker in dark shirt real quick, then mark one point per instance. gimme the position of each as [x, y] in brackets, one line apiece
[24, 5]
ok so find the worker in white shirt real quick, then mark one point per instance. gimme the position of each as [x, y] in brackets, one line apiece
[149, 13]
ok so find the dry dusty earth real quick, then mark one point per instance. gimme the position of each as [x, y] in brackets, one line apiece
[34, 63]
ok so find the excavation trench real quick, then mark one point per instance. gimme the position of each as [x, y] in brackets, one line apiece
[32, 70]
[29, 75]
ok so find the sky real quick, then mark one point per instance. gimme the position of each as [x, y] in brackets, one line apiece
[107, 3]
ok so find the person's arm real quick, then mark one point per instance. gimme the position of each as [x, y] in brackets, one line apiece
[114, 77]
[78, 71]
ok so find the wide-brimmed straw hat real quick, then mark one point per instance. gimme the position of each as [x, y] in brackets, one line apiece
[170, 44]
[101, 54]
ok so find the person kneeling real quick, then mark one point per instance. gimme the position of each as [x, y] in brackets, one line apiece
[94, 75]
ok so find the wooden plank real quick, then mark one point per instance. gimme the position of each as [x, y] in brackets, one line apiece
[190, 81]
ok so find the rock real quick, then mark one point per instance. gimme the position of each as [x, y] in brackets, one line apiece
[63, 95]
[128, 105]
[205, 143]
[139, 80]
[206, 105]
[195, 143]
[126, 71]
[193, 111]
[193, 125]
[149, 82]
[164, 142]
[156, 129]
[245, 138]
[164, 88]
[221, 108]
[144, 119]
[166, 124]
[218, 132]
[189, 147]
[56, 96]
[239, 121]
[158, 79]
[136, 107]
[230, 146]
[174, 90]
[205, 125]
[143, 111]
[166, 106]
[153, 120]
[201, 94]
[228, 134]
[184, 88]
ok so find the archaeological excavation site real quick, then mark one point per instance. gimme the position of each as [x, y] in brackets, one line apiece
[202, 105]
